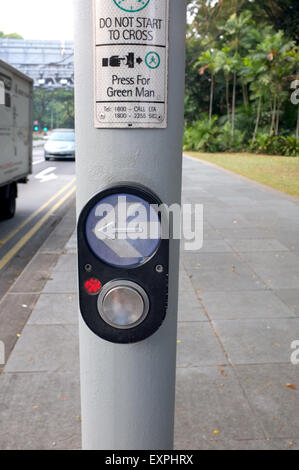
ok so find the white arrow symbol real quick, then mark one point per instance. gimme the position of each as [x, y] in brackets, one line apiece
[107, 227]
[106, 231]
[46, 175]
[127, 231]
[109, 231]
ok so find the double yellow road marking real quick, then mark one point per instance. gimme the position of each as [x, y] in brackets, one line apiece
[23, 224]
[17, 247]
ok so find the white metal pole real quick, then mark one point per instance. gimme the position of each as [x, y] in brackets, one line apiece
[128, 391]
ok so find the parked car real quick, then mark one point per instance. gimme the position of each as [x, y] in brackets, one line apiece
[60, 144]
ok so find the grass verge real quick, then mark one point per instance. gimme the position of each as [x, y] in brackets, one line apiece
[280, 173]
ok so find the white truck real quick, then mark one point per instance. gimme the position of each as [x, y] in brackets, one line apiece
[16, 90]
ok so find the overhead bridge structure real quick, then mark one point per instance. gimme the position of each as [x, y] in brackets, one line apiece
[49, 63]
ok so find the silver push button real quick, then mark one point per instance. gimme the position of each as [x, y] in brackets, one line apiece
[123, 304]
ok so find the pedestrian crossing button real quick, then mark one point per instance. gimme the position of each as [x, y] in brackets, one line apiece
[123, 304]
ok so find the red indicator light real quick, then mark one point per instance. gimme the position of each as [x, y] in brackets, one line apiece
[93, 286]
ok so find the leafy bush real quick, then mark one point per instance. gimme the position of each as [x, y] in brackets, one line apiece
[226, 142]
[245, 120]
[290, 146]
[276, 145]
[262, 144]
[212, 136]
[207, 136]
[201, 136]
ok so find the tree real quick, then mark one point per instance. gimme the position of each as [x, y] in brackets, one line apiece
[207, 61]
[53, 108]
[257, 76]
[10, 36]
[274, 51]
[281, 14]
[196, 89]
[236, 30]
[223, 62]
[238, 65]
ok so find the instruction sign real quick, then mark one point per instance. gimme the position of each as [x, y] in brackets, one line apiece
[131, 63]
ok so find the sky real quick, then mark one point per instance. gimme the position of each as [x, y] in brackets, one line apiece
[38, 19]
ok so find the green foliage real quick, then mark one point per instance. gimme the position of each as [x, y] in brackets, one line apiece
[281, 14]
[202, 135]
[53, 108]
[10, 36]
[264, 143]
[244, 120]
[208, 136]
[290, 146]
[229, 142]
[276, 145]
[195, 87]
[240, 66]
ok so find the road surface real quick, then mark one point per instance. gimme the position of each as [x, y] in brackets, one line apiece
[40, 207]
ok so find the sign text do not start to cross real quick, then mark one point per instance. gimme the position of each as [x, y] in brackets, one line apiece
[131, 63]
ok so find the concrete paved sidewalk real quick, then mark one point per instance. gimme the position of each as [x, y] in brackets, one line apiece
[238, 315]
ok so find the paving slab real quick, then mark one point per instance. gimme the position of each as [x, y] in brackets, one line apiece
[258, 341]
[238, 444]
[46, 348]
[227, 220]
[62, 283]
[208, 403]
[189, 308]
[288, 237]
[220, 271]
[277, 270]
[291, 298]
[268, 388]
[264, 217]
[245, 245]
[15, 310]
[246, 305]
[243, 201]
[198, 345]
[55, 309]
[40, 411]
[71, 246]
[67, 263]
[209, 233]
[214, 246]
[246, 233]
